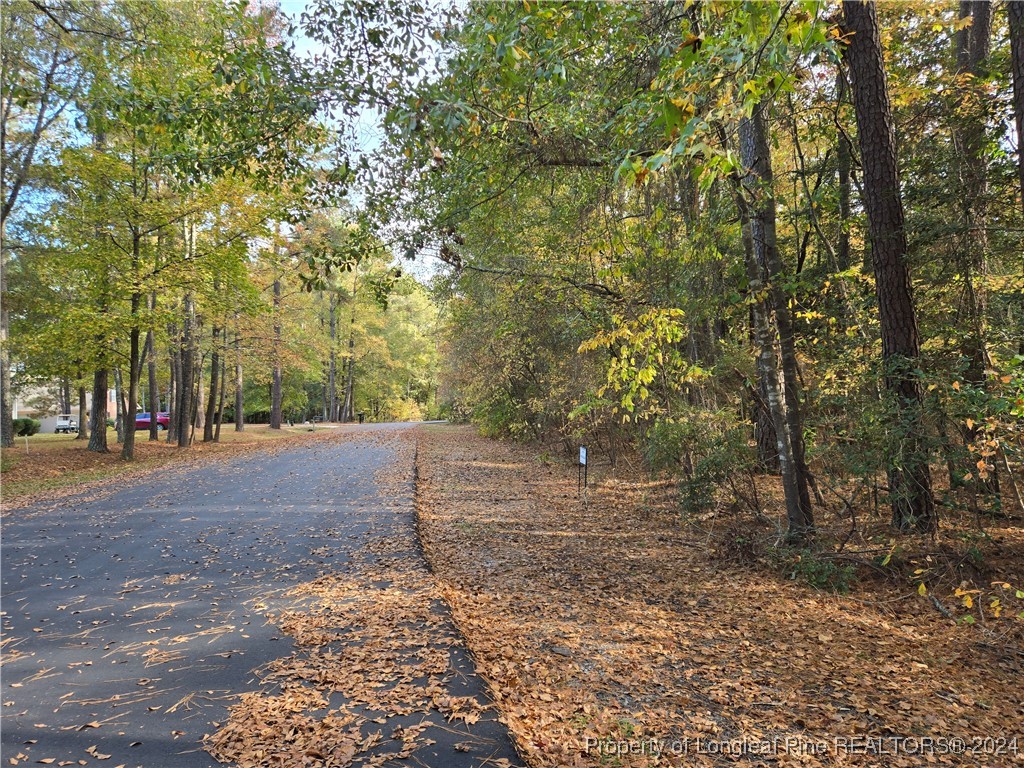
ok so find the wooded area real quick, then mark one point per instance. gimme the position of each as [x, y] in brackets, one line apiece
[763, 260]
[776, 238]
[748, 240]
[165, 234]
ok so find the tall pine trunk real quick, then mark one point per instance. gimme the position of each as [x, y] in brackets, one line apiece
[211, 403]
[347, 406]
[332, 365]
[239, 388]
[220, 399]
[154, 385]
[199, 396]
[1015, 12]
[275, 387]
[6, 400]
[174, 360]
[844, 161]
[910, 485]
[973, 46]
[131, 407]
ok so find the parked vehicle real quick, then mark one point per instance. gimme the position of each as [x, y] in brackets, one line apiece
[66, 423]
[142, 421]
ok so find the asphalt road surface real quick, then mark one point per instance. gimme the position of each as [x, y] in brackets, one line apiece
[133, 619]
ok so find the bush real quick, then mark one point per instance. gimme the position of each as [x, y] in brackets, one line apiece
[820, 572]
[26, 427]
[705, 450]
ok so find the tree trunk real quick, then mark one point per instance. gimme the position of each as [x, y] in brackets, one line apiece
[199, 407]
[760, 415]
[83, 414]
[174, 388]
[134, 376]
[844, 159]
[65, 394]
[196, 417]
[6, 401]
[764, 426]
[759, 244]
[275, 391]
[756, 157]
[347, 406]
[220, 400]
[332, 365]
[211, 404]
[909, 476]
[186, 378]
[973, 46]
[119, 415]
[154, 386]
[129, 409]
[239, 390]
[1015, 11]
[767, 358]
[98, 419]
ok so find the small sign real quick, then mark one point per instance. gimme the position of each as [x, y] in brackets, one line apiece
[583, 456]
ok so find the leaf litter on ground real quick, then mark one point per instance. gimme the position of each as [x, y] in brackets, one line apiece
[609, 625]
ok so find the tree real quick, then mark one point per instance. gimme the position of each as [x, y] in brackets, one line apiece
[1015, 12]
[909, 475]
[40, 79]
[760, 219]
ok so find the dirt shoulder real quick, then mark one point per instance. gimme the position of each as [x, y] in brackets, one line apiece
[602, 628]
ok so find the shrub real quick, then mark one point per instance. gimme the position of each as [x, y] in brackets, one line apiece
[704, 449]
[26, 427]
[820, 572]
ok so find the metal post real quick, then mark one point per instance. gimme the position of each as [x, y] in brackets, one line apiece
[582, 474]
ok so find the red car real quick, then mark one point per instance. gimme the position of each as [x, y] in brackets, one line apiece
[142, 421]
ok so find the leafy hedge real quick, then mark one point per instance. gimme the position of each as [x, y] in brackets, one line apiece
[26, 427]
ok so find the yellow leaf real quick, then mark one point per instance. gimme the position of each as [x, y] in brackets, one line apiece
[970, 423]
[956, 385]
[922, 590]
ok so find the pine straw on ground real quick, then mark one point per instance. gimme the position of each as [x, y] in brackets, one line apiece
[619, 626]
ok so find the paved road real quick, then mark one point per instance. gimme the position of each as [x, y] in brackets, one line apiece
[132, 621]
